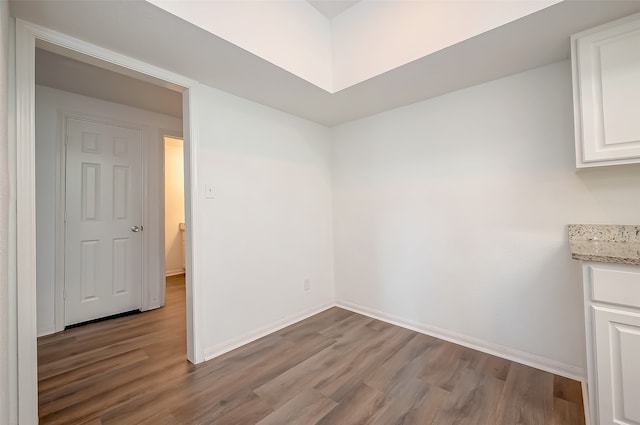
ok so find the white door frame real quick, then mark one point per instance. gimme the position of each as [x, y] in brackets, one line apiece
[24, 143]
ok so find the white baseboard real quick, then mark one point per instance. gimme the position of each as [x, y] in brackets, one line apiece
[533, 360]
[538, 362]
[225, 347]
[175, 272]
[48, 330]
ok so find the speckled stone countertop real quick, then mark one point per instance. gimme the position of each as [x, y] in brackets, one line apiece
[605, 243]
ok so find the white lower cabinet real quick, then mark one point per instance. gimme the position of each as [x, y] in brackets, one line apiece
[613, 343]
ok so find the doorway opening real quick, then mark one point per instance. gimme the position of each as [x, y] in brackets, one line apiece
[174, 225]
[174, 222]
[28, 38]
[108, 208]
[100, 253]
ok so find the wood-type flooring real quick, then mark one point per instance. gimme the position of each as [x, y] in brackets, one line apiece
[336, 367]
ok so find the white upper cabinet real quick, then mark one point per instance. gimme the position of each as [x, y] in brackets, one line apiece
[606, 93]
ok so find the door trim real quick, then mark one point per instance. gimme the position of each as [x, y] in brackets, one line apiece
[60, 208]
[24, 299]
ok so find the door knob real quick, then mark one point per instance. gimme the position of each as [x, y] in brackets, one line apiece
[136, 229]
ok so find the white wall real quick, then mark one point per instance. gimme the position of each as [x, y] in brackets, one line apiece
[4, 214]
[49, 102]
[290, 34]
[173, 205]
[373, 36]
[269, 226]
[452, 213]
[368, 39]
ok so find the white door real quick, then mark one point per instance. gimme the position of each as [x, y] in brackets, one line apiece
[103, 239]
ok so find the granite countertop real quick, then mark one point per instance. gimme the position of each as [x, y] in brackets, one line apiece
[605, 243]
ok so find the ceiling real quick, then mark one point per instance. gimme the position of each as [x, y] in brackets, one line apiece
[143, 31]
[64, 73]
[332, 8]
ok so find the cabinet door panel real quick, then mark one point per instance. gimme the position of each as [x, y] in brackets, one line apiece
[617, 335]
[629, 370]
[606, 63]
[620, 84]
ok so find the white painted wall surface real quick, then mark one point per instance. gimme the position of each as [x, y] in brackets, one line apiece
[269, 226]
[373, 36]
[290, 34]
[368, 39]
[173, 205]
[48, 104]
[5, 345]
[453, 213]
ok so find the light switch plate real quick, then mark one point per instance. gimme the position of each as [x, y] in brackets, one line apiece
[208, 191]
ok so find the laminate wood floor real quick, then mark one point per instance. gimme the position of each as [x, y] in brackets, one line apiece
[336, 367]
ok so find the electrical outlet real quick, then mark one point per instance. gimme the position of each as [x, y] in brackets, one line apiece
[307, 284]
